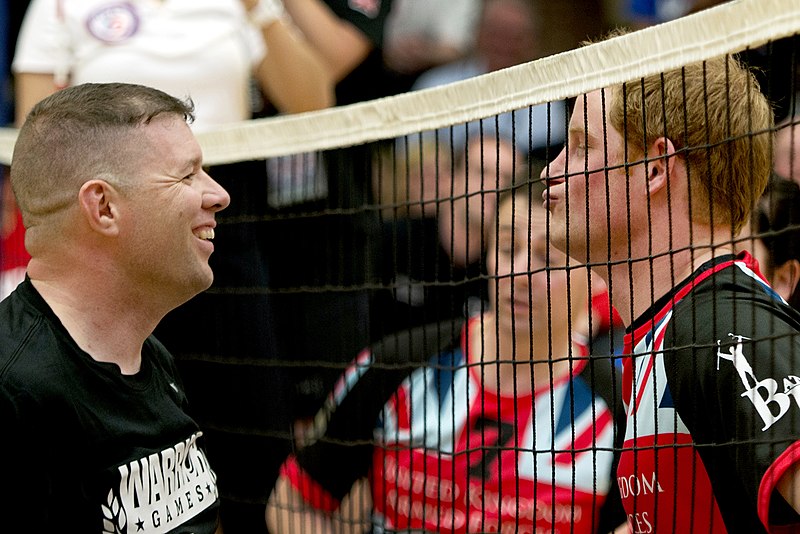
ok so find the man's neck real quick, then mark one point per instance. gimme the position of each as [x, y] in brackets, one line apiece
[546, 358]
[636, 286]
[108, 325]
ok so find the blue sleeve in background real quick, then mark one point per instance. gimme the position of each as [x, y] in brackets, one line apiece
[6, 99]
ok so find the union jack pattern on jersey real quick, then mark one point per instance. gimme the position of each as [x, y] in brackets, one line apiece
[451, 456]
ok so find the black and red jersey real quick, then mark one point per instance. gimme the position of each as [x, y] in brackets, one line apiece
[713, 408]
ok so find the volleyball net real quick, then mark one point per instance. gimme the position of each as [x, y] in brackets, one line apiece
[397, 224]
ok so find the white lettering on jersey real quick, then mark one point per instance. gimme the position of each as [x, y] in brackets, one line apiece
[633, 485]
[640, 523]
[159, 492]
[770, 404]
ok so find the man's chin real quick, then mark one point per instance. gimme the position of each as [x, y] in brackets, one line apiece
[201, 282]
[559, 241]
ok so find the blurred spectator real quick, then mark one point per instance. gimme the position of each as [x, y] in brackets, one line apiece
[507, 35]
[774, 237]
[777, 223]
[322, 234]
[787, 150]
[447, 420]
[348, 34]
[421, 35]
[204, 48]
[484, 170]
[437, 218]
[209, 50]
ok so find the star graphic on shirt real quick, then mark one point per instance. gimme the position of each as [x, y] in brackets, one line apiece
[139, 525]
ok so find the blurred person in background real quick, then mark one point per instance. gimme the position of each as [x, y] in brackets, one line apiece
[423, 35]
[323, 281]
[503, 407]
[776, 225]
[486, 167]
[211, 51]
[507, 35]
[773, 233]
[787, 150]
[437, 218]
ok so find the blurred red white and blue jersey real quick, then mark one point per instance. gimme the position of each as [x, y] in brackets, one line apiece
[713, 416]
[450, 456]
[13, 255]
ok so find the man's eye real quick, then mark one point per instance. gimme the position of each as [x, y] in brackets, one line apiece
[188, 177]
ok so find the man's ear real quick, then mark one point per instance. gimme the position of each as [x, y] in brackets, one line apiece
[98, 202]
[785, 278]
[660, 164]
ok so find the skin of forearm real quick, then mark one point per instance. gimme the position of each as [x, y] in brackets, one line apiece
[292, 74]
[341, 44]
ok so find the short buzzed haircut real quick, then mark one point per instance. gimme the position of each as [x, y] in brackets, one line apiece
[82, 133]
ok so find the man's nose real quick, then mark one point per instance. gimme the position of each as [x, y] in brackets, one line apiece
[216, 196]
[555, 169]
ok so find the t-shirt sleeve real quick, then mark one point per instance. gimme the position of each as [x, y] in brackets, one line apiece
[457, 24]
[312, 492]
[24, 490]
[341, 452]
[42, 39]
[256, 47]
[734, 380]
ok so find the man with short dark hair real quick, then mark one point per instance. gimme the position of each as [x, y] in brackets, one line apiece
[119, 217]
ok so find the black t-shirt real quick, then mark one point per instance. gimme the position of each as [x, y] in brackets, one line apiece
[87, 449]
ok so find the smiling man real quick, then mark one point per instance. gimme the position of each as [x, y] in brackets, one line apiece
[657, 178]
[119, 217]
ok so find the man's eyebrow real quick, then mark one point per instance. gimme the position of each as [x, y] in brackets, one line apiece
[576, 131]
[191, 164]
[580, 132]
